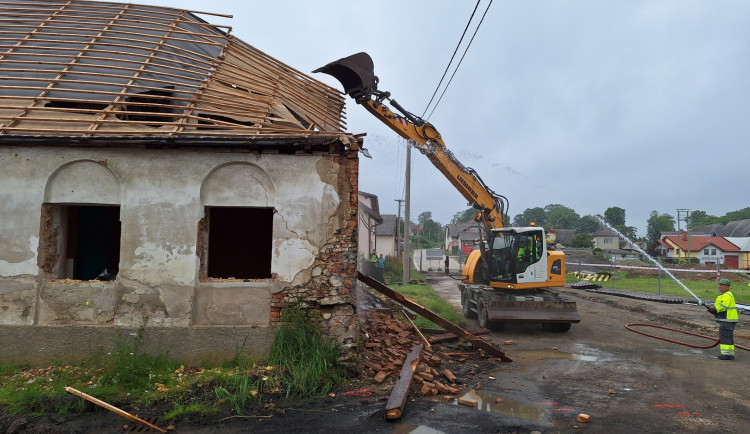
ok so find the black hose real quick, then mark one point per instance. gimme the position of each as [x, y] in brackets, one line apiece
[716, 341]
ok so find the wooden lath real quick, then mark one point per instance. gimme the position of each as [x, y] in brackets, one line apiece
[94, 68]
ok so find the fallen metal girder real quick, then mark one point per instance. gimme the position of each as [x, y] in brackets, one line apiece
[437, 319]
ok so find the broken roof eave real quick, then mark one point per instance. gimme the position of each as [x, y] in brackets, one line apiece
[326, 143]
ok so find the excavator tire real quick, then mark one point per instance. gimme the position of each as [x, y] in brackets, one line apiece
[484, 321]
[466, 307]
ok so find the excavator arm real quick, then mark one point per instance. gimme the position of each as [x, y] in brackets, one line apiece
[357, 75]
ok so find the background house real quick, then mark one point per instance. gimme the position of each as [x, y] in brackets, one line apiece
[184, 183]
[702, 249]
[743, 256]
[369, 218]
[606, 239]
[738, 228]
[385, 236]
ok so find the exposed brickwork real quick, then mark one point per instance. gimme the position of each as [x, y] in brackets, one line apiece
[328, 295]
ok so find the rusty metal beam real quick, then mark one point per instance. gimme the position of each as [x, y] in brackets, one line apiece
[437, 319]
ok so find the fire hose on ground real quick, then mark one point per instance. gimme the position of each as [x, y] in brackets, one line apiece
[715, 340]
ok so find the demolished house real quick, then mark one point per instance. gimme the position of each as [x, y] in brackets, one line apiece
[159, 174]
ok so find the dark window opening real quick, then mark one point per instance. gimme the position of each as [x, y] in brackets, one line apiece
[80, 242]
[239, 242]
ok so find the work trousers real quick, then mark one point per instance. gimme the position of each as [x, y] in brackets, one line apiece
[726, 337]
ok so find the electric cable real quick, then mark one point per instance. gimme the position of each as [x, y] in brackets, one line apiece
[461, 60]
[452, 57]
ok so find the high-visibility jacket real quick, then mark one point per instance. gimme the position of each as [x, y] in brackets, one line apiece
[726, 309]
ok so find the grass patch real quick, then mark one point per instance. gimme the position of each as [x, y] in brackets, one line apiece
[195, 409]
[705, 289]
[426, 297]
[309, 359]
[304, 365]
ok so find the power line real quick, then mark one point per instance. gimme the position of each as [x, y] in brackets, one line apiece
[461, 60]
[452, 57]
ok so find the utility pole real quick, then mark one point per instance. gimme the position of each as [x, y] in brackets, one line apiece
[682, 215]
[407, 229]
[398, 229]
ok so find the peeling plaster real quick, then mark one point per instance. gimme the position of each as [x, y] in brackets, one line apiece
[292, 257]
[157, 263]
[19, 262]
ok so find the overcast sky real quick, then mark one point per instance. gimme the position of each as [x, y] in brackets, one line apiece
[644, 105]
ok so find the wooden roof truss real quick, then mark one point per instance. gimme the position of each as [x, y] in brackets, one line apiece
[92, 68]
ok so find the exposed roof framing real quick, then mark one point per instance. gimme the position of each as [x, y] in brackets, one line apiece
[87, 69]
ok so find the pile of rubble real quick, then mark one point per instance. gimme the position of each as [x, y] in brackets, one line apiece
[388, 340]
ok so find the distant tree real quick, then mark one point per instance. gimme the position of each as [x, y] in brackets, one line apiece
[464, 216]
[432, 232]
[536, 215]
[582, 240]
[657, 223]
[628, 231]
[615, 216]
[588, 224]
[562, 217]
[693, 219]
[742, 214]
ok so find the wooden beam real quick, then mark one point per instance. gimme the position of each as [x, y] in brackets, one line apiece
[113, 409]
[437, 319]
[394, 408]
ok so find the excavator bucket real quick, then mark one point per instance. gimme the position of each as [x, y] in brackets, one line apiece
[356, 73]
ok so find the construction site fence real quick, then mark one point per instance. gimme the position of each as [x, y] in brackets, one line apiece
[615, 267]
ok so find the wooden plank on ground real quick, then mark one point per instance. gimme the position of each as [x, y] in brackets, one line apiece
[447, 337]
[395, 405]
[437, 319]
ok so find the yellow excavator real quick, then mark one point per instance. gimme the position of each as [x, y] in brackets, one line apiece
[506, 276]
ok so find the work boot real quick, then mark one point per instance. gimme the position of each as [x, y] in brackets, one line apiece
[726, 357]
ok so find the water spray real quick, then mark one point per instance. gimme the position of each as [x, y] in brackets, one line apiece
[667, 272]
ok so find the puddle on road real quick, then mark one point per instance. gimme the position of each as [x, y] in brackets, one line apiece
[554, 354]
[508, 407]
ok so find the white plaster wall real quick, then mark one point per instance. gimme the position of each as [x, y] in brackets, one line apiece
[160, 197]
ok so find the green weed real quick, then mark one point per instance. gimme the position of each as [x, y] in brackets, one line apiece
[426, 297]
[309, 358]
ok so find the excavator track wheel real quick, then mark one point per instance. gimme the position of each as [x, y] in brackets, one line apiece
[466, 307]
[484, 320]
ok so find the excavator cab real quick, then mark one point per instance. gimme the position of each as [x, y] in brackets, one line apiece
[356, 73]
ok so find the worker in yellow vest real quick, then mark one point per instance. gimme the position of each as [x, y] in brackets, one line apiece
[725, 311]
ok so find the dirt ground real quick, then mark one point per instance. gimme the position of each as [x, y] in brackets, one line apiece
[626, 382]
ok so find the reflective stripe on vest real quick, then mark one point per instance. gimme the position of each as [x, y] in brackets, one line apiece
[729, 311]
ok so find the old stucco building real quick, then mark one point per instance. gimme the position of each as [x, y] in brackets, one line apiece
[159, 173]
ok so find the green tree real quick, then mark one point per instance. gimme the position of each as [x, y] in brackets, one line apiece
[536, 215]
[551, 207]
[588, 224]
[615, 216]
[696, 218]
[464, 216]
[432, 234]
[582, 240]
[658, 223]
[628, 231]
[562, 217]
[742, 214]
